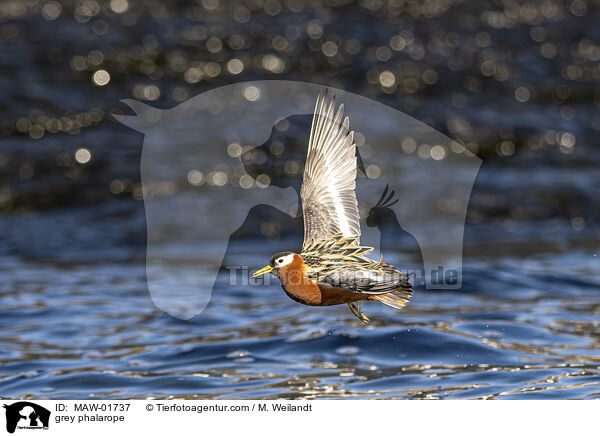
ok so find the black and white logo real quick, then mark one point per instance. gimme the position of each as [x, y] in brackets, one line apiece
[26, 415]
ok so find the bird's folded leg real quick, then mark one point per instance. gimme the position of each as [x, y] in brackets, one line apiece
[355, 308]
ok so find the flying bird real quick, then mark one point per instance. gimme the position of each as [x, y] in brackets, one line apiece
[332, 267]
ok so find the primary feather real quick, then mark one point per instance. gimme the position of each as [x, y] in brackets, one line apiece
[328, 197]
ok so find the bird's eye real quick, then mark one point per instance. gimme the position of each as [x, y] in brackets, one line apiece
[280, 260]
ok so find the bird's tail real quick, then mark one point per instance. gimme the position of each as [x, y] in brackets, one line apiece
[396, 299]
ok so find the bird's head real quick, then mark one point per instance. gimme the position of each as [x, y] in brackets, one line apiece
[279, 262]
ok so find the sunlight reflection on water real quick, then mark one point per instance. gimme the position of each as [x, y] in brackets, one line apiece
[95, 332]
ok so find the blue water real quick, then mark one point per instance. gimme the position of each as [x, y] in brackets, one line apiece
[517, 330]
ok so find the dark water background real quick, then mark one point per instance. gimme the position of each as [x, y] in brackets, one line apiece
[516, 82]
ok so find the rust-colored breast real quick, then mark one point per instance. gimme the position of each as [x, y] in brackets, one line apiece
[297, 286]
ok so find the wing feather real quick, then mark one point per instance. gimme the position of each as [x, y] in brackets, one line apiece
[328, 189]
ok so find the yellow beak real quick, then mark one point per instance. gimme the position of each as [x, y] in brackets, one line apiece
[260, 272]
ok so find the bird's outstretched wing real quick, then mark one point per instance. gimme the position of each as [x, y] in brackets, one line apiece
[328, 197]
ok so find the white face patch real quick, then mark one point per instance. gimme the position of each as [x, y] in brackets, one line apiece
[284, 260]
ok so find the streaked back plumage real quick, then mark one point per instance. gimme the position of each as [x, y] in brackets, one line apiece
[341, 262]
